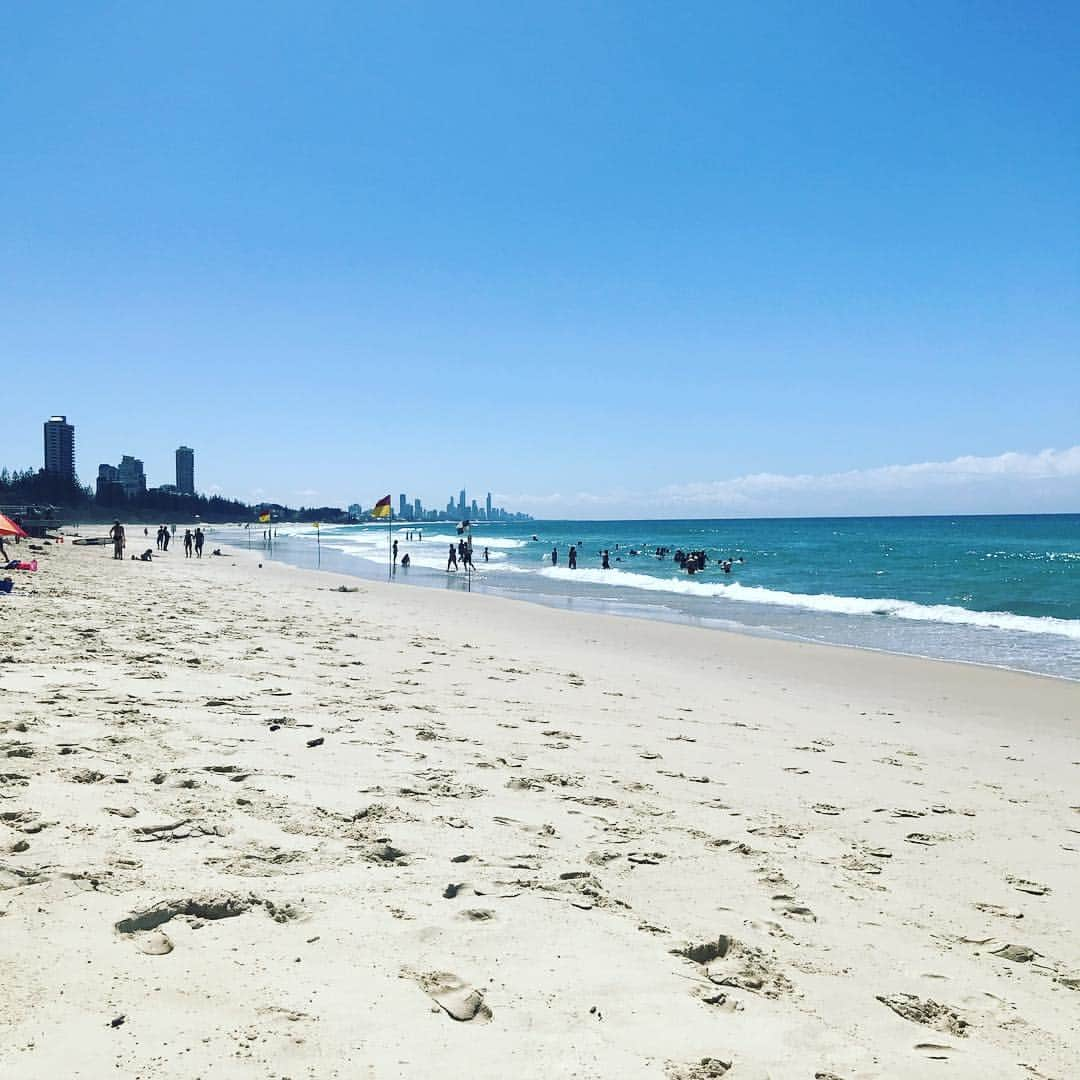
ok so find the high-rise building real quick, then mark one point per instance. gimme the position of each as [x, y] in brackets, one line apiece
[418, 510]
[461, 503]
[60, 447]
[475, 510]
[403, 507]
[185, 470]
[487, 506]
[131, 475]
[109, 489]
[356, 510]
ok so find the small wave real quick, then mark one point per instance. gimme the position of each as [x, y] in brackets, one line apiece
[478, 540]
[826, 602]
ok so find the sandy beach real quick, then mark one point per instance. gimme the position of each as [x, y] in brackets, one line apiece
[254, 825]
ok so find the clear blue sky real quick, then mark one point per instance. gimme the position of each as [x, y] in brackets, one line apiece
[577, 254]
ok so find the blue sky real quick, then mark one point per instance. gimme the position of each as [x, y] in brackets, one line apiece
[601, 259]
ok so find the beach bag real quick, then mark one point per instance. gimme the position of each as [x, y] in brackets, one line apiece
[6, 585]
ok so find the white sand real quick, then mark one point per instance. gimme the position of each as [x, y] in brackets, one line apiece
[846, 825]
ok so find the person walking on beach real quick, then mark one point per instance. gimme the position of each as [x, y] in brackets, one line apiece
[165, 537]
[451, 561]
[604, 561]
[571, 559]
[485, 554]
[117, 534]
[200, 537]
[554, 556]
[187, 543]
[394, 551]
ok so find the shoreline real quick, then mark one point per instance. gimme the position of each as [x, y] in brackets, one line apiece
[618, 607]
[338, 800]
[345, 579]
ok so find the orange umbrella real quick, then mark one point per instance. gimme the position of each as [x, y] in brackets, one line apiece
[9, 528]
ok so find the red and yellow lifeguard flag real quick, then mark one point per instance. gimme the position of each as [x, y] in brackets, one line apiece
[265, 517]
[382, 507]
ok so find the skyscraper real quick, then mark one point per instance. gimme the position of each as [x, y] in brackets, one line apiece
[461, 503]
[60, 447]
[418, 510]
[185, 470]
[131, 475]
[487, 506]
[403, 507]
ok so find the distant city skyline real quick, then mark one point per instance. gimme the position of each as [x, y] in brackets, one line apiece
[128, 480]
[1050, 481]
[615, 260]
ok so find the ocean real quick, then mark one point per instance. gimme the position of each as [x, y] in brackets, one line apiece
[1001, 590]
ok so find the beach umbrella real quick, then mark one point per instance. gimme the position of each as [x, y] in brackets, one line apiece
[9, 528]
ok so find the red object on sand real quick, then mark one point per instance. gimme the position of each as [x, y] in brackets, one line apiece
[9, 528]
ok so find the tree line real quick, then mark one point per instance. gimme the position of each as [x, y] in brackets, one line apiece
[43, 491]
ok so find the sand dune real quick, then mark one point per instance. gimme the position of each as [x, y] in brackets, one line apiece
[251, 825]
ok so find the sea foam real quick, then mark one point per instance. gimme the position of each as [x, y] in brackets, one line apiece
[826, 602]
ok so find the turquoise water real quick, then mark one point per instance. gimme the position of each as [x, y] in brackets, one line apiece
[994, 590]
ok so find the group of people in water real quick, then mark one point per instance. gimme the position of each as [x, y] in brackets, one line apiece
[460, 556]
[693, 562]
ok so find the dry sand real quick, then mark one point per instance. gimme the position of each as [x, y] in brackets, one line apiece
[527, 843]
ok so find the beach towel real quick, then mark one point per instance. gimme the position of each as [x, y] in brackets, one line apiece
[17, 564]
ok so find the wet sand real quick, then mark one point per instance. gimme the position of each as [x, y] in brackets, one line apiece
[251, 825]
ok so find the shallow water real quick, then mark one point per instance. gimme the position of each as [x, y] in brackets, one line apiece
[1003, 591]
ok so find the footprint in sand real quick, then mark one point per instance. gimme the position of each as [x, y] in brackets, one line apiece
[861, 866]
[935, 1051]
[731, 964]
[1001, 912]
[708, 1068]
[205, 908]
[925, 1011]
[926, 839]
[1034, 888]
[459, 888]
[1018, 954]
[454, 996]
[153, 943]
[790, 908]
[827, 808]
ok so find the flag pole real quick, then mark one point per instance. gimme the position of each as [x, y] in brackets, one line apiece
[318, 545]
[390, 544]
